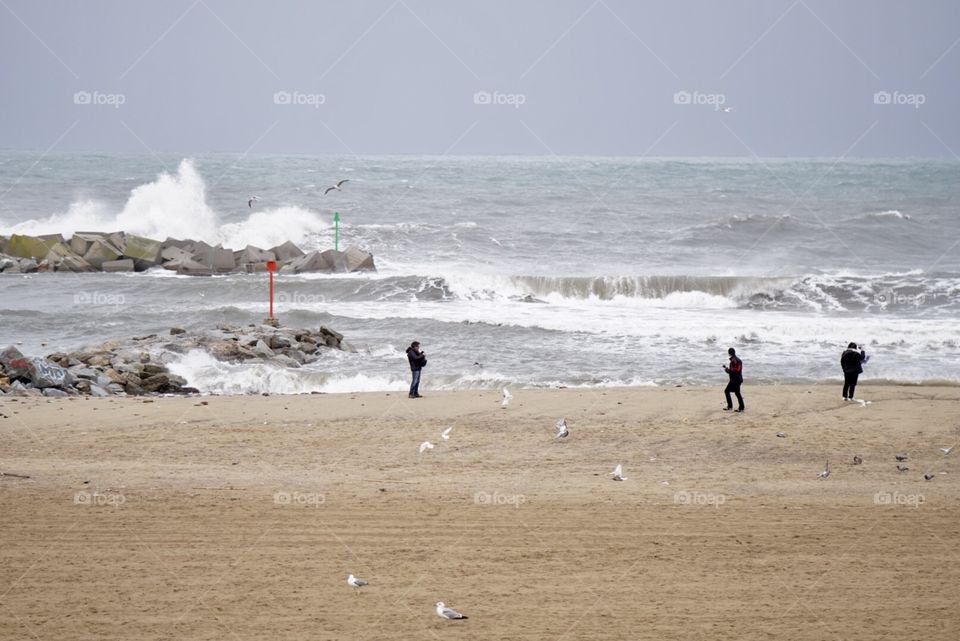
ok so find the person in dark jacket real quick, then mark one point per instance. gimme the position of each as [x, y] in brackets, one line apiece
[852, 362]
[735, 370]
[418, 360]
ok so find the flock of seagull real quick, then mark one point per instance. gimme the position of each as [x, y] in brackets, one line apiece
[252, 199]
[562, 432]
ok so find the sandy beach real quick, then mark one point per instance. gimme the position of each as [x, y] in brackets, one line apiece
[240, 517]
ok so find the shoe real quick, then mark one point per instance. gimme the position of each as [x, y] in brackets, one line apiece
[419, 396]
[739, 411]
[727, 409]
[410, 396]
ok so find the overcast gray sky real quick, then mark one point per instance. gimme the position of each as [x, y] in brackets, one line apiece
[604, 77]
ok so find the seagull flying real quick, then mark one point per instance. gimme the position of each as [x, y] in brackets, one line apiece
[507, 397]
[826, 471]
[251, 200]
[335, 187]
[728, 110]
[617, 473]
[562, 431]
[947, 450]
[354, 582]
[900, 457]
[426, 445]
[448, 613]
[445, 434]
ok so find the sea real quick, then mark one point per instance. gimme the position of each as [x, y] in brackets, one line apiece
[530, 272]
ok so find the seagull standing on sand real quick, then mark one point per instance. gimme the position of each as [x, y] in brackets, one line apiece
[445, 434]
[928, 477]
[562, 431]
[354, 582]
[448, 613]
[250, 201]
[617, 473]
[902, 468]
[900, 457]
[857, 460]
[507, 397]
[335, 187]
[426, 445]
[826, 471]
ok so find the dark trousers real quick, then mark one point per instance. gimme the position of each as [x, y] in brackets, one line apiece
[415, 383]
[850, 384]
[733, 387]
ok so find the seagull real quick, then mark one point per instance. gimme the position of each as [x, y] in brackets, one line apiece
[426, 445]
[862, 402]
[902, 468]
[928, 477]
[250, 201]
[857, 460]
[562, 431]
[900, 457]
[507, 397]
[947, 450]
[448, 613]
[445, 434]
[826, 471]
[781, 435]
[335, 187]
[354, 582]
[728, 110]
[617, 473]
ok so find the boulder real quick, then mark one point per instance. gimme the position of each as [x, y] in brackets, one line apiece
[122, 265]
[53, 392]
[262, 349]
[174, 253]
[101, 251]
[74, 264]
[355, 259]
[144, 252]
[217, 259]
[96, 390]
[278, 342]
[149, 369]
[39, 371]
[58, 252]
[177, 330]
[251, 255]
[286, 252]
[189, 267]
[285, 361]
[315, 261]
[155, 383]
[36, 247]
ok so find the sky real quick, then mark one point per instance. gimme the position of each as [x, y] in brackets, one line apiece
[767, 78]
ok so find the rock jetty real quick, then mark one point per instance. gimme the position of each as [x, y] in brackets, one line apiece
[123, 252]
[138, 366]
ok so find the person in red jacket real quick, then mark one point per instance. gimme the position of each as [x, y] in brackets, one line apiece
[735, 370]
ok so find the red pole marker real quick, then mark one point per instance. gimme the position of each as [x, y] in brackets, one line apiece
[271, 267]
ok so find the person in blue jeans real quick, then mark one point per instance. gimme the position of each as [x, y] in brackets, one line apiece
[418, 360]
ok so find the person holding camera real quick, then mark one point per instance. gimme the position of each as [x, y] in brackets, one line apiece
[735, 371]
[418, 360]
[851, 361]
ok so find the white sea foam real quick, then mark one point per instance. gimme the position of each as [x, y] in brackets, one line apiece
[175, 204]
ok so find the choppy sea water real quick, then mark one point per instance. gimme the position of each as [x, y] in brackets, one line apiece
[518, 270]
